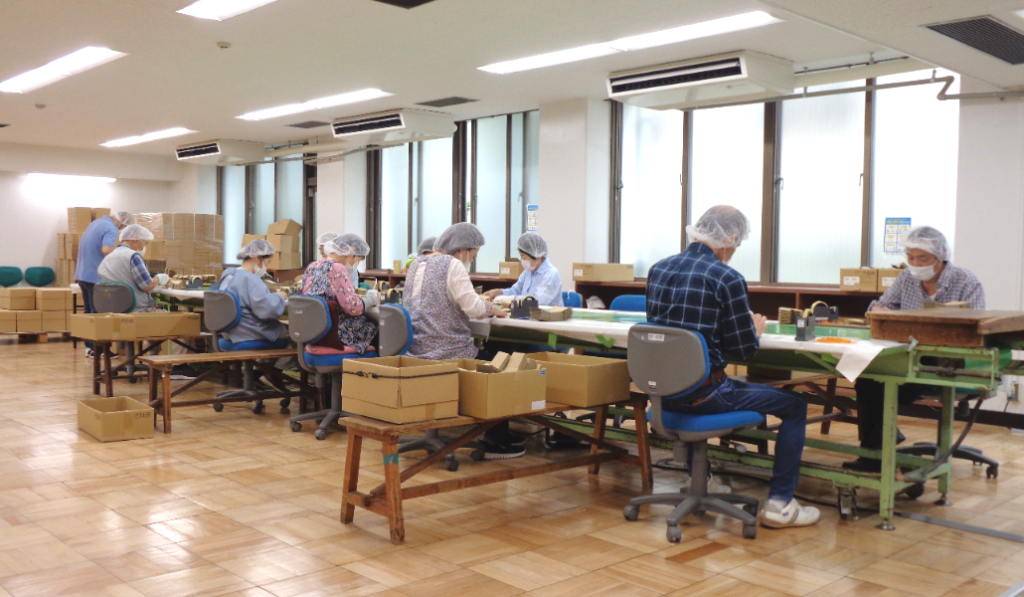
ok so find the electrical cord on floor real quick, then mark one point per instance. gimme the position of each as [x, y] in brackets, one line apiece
[920, 476]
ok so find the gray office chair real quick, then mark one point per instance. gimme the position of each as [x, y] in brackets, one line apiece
[118, 297]
[669, 363]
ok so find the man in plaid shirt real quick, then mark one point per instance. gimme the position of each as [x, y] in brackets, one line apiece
[698, 291]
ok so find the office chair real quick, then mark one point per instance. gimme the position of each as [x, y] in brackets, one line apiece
[629, 302]
[572, 299]
[117, 297]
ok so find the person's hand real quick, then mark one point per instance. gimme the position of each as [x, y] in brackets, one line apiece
[498, 312]
[880, 309]
[370, 299]
[492, 294]
[162, 279]
[282, 294]
[760, 323]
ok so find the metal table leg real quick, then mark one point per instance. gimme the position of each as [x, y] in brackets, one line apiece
[887, 496]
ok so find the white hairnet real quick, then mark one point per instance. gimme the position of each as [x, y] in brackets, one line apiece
[459, 236]
[326, 237]
[927, 239]
[125, 218]
[339, 247]
[426, 245]
[533, 245]
[358, 245]
[135, 232]
[257, 248]
[721, 227]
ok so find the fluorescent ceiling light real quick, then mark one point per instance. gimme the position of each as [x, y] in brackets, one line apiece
[43, 176]
[72, 64]
[325, 102]
[164, 134]
[219, 10]
[739, 22]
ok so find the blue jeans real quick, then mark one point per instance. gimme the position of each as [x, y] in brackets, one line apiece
[730, 396]
[87, 288]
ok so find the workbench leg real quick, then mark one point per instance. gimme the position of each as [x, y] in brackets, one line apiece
[887, 495]
[643, 448]
[946, 440]
[351, 480]
[96, 369]
[167, 401]
[108, 376]
[154, 379]
[393, 489]
[600, 418]
[830, 390]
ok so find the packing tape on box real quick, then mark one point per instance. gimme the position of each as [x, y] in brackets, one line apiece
[379, 376]
[390, 459]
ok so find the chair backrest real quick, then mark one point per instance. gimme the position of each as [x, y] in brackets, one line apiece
[221, 310]
[309, 319]
[629, 302]
[666, 362]
[113, 297]
[10, 275]
[40, 276]
[572, 299]
[395, 330]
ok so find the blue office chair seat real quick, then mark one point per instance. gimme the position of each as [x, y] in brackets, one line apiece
[335, 360]
[700, 423]
[229, 346]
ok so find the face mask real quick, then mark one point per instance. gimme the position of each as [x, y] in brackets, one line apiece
[142, 253]
[353, 276]
[528, 265]
[261, 270]
[922, 273]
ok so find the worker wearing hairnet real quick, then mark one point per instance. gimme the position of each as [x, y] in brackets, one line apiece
[698, 291]
[539, 279]
[98, 241]
[360, 251]
[426, 246]
[261, 309]
[125, 264]
[322, 240]
[329, 278]
[929, 276]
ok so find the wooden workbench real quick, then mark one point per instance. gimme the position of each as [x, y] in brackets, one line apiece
[944, 327]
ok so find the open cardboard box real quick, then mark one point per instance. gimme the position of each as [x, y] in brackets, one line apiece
[584, 381]
[115, 419]
[491, 395]
[401, 389]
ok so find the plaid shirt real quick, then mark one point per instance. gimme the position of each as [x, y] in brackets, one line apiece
[694, 290]
[139, 272]
[955, 284]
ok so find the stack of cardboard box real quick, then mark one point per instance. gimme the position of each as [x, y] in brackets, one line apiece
[79, 219]
[868, 279]
[284, 235]
[35, 309]
[184, 243]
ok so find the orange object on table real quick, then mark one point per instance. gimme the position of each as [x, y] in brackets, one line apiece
[834, 340]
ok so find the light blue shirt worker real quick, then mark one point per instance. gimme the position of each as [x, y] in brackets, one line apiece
[101, 233]
[544, 284]
[261, 309]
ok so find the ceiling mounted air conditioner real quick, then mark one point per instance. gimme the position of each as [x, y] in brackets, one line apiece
[221, 151]
[736, 76]
[394, 127]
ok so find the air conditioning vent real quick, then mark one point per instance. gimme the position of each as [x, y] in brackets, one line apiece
[195, 151]
[343, 128]
[736, 76]
[220, 152]
[394, 127]
[987, 35]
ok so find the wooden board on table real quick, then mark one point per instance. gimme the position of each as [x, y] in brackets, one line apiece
[944, 327]
[376, 427]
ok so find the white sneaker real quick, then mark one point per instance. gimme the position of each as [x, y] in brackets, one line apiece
[715, 485]
[88, 353]
[793, 515]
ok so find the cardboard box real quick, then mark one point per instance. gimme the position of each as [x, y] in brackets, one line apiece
[603, 272]
[405, 414]
[71, 243]
[284, 261]
[79, 219]
[184, 226]
[398, 267]
[156, 250]
[401, 381]
[285, 227]
[206, 226]
[510, 270]
[551, 314]
[18, 299]
[284, 244]
[490, 395]
[52, 299]
[54, 321]
[152, 325]
[248, 238]
[8, 321]
[115, 419]
[103, 326]
[887, 277]
[859, 279]
[61, 246]
[99, 212]
[584, 381]
[30, 321]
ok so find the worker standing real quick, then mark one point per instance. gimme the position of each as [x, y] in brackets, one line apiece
[98, 241]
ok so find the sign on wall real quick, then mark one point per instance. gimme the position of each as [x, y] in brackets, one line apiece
[531, 217]
[895, 228]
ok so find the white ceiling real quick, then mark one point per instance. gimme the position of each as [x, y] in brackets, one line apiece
[296, 50]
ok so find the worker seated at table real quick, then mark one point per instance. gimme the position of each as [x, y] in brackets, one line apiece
[322, 240]
[697, 290]
[329, 278]
[929, 277]
[125, 264]
[440, 298]
[539, 279]
[426, 246]
[361, 251]
[261, 309]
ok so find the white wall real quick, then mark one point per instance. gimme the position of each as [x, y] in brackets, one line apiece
[990, 196]
[196, 192]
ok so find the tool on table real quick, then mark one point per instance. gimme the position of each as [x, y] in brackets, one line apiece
[805, 329]
[521, 308]
[391, 296]
[822, 312]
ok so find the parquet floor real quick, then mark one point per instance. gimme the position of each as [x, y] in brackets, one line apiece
[236, 504]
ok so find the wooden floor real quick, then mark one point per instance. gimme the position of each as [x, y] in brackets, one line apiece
[236, 504]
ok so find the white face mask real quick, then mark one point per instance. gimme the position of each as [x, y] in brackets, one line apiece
[528, 265]
[261, 270]
[922, 273]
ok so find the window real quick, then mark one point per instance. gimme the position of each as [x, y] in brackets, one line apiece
[394, 228]
[232, 193]
[488, 203]
[432, 189]
[264, 196]
[291, 194]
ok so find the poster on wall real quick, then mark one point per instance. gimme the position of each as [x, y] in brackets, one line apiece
[531, 217]
[895, 228]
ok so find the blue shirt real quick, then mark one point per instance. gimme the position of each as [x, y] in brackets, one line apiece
[101, 233]
[544, 284]
[260, 307]
[696, 291]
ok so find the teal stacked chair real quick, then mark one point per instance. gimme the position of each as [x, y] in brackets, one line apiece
[669, 363]
[10, 276]
[40, 276]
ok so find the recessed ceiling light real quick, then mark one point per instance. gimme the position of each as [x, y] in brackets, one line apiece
[51, 72]
[164, 134]
[325, 102]
[219, 10]
[46, 177]
[739, 22]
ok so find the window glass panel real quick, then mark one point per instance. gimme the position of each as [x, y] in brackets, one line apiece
[433, 189]
[490, 191]
[652, 157]
[233, 209]
[916, 138]
[821, 199]
[291, 190]
[263, 214]
[727, 165]
[394, 211]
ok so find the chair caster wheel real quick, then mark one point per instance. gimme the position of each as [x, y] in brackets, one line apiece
[296, 426]
[631, 513]
[258, 409]
[750, 531]
[321, 434]
[286, 403]
[218, 407]
[674, 535]
[750, 509]
[914, 491]
[451, 465]
[477, 455]
[992, 472]
[132, 380]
